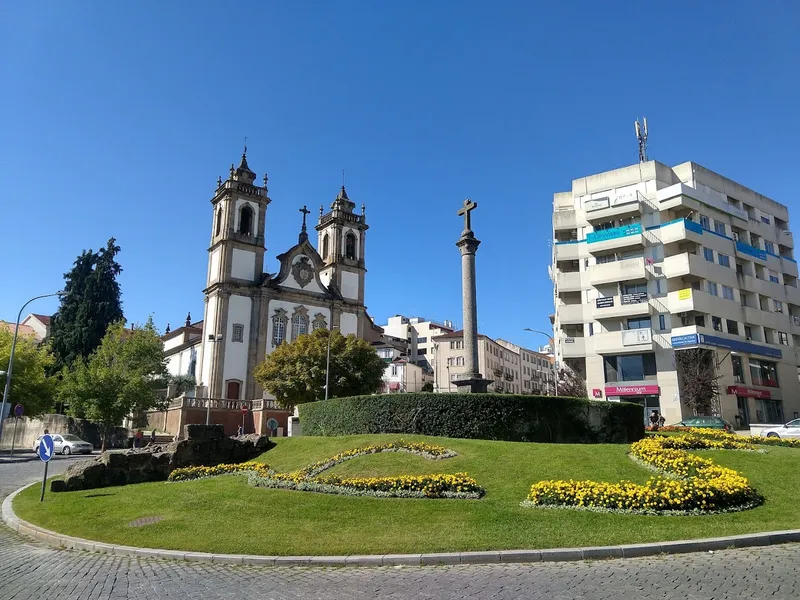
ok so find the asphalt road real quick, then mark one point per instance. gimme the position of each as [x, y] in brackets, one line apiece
[31, 570]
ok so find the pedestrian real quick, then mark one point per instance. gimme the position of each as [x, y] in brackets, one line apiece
[654, 420]
[46, 432]
[661, 420]
[240, 431]
[137, 439]
[152, 437]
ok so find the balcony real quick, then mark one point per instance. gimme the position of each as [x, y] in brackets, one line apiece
[681, 230]
[573, 347]
[631, 269]
[627, 236]
[762, 286]
[624, 305]
[789, 266]
[601, 210]
[688, 300]
[569, 250]
[792, 294]
[566, 220]
[749, 252]
[568, 281]
[794, 325]
[622, 342]
[570, 314]
[681, 194]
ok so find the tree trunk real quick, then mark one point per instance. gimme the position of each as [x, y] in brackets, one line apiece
[104, 437]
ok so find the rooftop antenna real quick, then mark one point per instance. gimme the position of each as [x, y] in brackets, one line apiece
[641, 135]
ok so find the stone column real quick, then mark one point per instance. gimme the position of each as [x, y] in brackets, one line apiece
[472, 381]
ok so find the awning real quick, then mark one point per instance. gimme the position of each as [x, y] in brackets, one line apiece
[741, 390]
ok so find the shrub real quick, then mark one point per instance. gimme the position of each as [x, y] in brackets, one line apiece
[478, 416]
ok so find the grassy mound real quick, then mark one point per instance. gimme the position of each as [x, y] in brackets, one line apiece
[225, 515]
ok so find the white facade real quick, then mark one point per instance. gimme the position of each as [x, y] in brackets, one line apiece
[418, 333]
[403, 376]
[648, 259]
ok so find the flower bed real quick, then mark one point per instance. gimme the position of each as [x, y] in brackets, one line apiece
[459, 485]
[690, 485]
[719, 434]
[775, 441]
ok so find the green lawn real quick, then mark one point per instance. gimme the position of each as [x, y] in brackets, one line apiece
[225, 515]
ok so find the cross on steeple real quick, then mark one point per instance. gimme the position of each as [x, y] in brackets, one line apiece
[303, 232]
[468, 207]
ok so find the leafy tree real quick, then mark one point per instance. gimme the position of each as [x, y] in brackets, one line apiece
[118, 379]
[427, 386]
[698, 379]
[570, 383]
[30, 385]
[91, 304]
[295, 372]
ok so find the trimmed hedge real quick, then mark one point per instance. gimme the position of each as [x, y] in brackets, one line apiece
[507, 417]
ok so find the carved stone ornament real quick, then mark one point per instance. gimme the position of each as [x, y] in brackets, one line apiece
[303, 271]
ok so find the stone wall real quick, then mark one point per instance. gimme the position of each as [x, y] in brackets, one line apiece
[28, 430]
[203, 445]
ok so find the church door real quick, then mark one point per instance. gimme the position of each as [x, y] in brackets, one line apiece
[233, 391]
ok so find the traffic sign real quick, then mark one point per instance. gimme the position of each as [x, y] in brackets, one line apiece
[45, 448]
[272, 423]
[18, 410]
[244, 410]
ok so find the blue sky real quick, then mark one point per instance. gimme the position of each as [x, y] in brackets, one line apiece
[117, 119]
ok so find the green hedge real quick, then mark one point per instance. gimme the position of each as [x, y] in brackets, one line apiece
[478, 416]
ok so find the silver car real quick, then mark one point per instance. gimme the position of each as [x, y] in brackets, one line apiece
[789, 430]
[66, 443]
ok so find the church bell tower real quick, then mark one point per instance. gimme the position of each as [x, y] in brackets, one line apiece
[341, 244]
[235, 269]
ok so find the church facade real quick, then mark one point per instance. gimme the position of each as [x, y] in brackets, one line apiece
[249, 312]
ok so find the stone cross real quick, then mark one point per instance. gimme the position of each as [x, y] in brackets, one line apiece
[303, 235]
[468, 207]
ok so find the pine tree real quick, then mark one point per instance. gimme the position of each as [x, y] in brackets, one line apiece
[91, 304]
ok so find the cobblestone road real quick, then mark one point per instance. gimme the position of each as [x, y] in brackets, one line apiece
[30, 570]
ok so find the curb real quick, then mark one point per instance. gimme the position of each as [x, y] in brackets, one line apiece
[442, 558]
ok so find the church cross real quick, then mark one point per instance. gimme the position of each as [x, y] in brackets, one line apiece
[468, 207]
[305, 212]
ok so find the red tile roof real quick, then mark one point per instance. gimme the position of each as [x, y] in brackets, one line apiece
[43, 318]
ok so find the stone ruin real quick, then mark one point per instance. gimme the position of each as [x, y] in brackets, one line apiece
[203, 445]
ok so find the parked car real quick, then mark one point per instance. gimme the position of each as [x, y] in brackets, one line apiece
[707, 423]
[66, 443]
[789, 430]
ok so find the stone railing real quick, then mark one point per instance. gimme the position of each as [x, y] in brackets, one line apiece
[222, 404]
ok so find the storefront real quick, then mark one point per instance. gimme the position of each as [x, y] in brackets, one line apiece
[648, 396]
[763, 407]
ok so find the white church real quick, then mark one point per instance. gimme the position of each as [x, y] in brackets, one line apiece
[249, 312]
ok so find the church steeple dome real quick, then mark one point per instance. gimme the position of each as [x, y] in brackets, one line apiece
[243, 173]
[342, 202]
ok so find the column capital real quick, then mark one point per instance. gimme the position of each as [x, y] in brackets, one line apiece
[468, 244]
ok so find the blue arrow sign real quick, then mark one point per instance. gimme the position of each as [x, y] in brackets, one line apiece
[45, 448]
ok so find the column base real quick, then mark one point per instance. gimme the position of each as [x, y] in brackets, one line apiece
[473, 385]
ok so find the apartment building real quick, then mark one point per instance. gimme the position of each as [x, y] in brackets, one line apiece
[649, 259]
[418, 333]
[514, 369]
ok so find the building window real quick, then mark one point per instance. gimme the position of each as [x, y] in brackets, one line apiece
[727, 292]
[606, 258]
[769, 247]
[778, 305]
[773, 277]
[661, 324]
[716, 323]
[704, 222]
[394, 369]
[279, 328]
[724, 260]
[219, 221]
[422, 351]
[460, 361]
[748, 332]
[246, 220]
[238, 333]
[783, 338]
[712, 288]
[763, 373]
[733, 326]
[319, 322]
[350, 246]
[708, 253]
[422, 340]
[738, 371]
[769, 411]
[639, 323]
[765, 220]
[658, 286]
[720, 228]
[635, 288]
[630, 367]
[232, 390]
[299, 325]
[325, 246]
[458, 345]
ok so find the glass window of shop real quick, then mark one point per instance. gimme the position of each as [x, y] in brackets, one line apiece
[763, 372]
[630, 367]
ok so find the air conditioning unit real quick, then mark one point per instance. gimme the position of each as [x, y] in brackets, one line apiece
[735, 237]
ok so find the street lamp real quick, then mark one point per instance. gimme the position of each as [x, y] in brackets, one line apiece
[328, 361]
[10, 368]
[552, 345]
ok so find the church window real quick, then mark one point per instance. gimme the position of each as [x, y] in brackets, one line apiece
[232, 390]
[278, 329]
[319, 322]
[350, 246]
[246, 220]
[238, 333]
[219, 221]
[299, 325]
[325, 244]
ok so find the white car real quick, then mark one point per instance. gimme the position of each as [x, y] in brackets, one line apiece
[66, 443]
[790, 430]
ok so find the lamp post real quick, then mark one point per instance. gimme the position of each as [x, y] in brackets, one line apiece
[552, 345]
[10, 369]
[328, 360]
